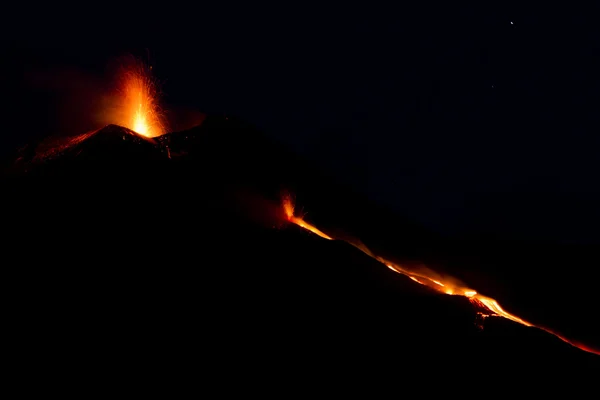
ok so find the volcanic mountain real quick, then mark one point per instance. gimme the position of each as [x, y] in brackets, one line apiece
[110, 145]
[177, 250]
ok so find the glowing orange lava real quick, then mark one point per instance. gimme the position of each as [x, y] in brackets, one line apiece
[452, 286]
[139, 108]
[288, 208]
[433, 280]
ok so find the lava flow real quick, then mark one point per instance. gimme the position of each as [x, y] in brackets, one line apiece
[427, 277]
[139, 108]
[288, 208]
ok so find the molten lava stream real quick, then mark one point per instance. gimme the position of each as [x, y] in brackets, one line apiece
[303, 224]
[429, 278]
[452, 286]
[288, 207]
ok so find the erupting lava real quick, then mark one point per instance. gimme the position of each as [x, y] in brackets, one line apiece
[433, 280]
[288, 208]
[140, 109]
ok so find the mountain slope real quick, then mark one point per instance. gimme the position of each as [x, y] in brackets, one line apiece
[183, 256]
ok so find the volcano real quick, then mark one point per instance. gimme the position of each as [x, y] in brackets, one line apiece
[109, 146]
[177, 250]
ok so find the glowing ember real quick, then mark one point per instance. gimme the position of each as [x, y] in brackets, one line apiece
[431, 279]
[139, 108]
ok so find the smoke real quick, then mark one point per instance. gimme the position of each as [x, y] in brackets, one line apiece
[73, 99]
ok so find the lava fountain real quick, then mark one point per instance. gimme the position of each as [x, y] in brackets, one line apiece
[139, 108]
[427, 277]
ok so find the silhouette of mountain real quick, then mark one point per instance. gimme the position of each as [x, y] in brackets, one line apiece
[175, 250]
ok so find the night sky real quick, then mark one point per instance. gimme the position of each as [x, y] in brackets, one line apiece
[469, 121]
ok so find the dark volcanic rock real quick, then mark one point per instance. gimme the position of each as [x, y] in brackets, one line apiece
[172, 251]
[546, 283]
[112, 146]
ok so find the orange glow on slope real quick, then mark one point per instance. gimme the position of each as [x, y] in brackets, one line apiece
[139, 108]
[452, 286]
[494, 307]
[435, 281]
[288, 208]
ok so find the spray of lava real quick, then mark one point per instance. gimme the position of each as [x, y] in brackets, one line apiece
[427, 277]
[139, 109]
[288, 209]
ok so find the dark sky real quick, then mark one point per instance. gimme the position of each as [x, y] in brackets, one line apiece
[467, 120]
